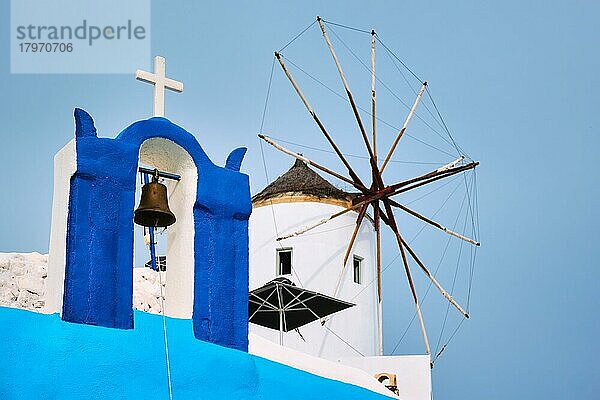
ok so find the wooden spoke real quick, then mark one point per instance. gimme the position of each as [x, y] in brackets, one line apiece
[434, 281]
[402, 187]
[359, 219]
[446, 168]
[376, 215]
[415, 298]
[383, 217]
[377, 178]
[349, 94]
[325, 220]
[432, 222]
[403, 129]
[430, 276]
[353, 174]
[394, 227]
[310, 162]
[373, 97]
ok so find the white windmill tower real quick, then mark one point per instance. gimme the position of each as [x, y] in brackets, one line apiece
[312, 261]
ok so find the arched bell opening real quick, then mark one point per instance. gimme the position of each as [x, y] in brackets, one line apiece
[176, 243]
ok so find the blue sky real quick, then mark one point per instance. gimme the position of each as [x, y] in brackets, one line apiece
[517, 84]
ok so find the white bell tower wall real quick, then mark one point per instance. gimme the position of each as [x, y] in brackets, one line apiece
[65, 165]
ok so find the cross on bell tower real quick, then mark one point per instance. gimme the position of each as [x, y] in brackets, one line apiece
[160, 82]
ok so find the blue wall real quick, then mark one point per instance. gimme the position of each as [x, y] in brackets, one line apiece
[46, 358]
[99, 261]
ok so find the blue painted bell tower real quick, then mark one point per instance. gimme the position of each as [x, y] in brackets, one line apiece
[98, 265]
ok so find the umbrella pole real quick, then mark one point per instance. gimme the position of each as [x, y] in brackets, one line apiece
[281, 327]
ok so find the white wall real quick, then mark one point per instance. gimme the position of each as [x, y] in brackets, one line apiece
[65, 165]
[413, 373]
[317, 261]
[317, 366]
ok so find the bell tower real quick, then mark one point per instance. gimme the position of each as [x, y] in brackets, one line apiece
[90, 269]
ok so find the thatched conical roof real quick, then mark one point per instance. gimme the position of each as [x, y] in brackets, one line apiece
[301, 181]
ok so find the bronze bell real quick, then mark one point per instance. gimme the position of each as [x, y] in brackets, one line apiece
[153, 210]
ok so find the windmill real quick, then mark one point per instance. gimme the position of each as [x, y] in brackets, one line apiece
[377, 196]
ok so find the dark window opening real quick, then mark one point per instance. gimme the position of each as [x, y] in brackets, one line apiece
[284, 261]
[357, 264]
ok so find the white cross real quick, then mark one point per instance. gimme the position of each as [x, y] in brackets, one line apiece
[160, 82]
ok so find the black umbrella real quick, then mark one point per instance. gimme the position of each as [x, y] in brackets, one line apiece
[281, 305]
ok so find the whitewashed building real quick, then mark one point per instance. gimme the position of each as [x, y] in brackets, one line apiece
[313, 261]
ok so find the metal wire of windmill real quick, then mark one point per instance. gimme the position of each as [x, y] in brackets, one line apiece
[377, 195]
